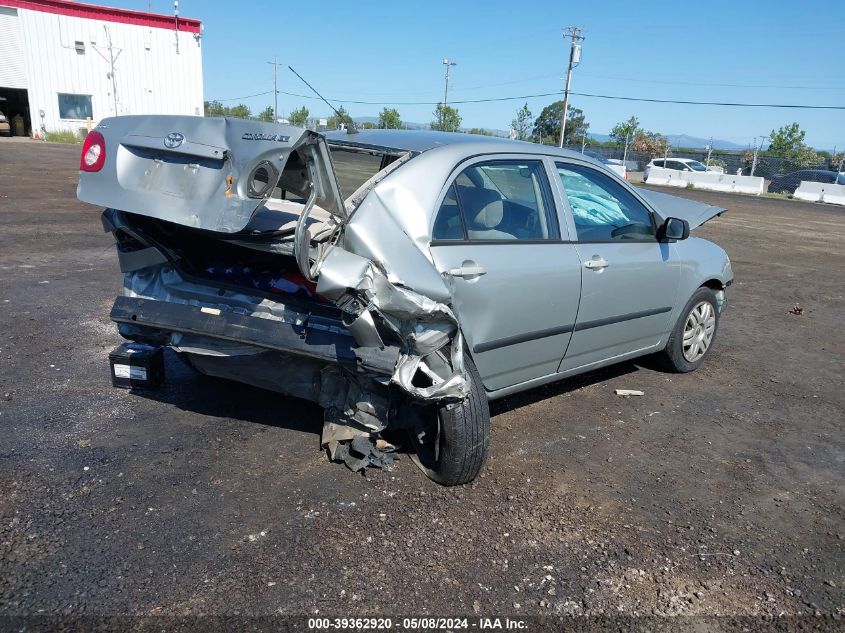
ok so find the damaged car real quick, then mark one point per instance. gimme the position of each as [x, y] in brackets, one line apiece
[459, 270]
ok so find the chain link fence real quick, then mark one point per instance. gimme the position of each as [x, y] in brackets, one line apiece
[732, 161]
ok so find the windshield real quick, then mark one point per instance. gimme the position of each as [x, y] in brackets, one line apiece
[696, 166]
[840, 179]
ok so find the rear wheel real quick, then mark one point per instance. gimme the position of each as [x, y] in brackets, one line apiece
[694, 333]
[451, 442]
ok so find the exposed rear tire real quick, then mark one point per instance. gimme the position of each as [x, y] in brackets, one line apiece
[694, 334]
[451, 444]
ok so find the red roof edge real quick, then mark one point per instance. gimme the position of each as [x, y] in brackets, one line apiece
[109, 14]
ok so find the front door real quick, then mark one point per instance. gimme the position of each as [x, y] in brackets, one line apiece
[629, 279]
[515, 282]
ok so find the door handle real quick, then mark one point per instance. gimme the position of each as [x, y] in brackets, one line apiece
[468, 270]
[597, 263]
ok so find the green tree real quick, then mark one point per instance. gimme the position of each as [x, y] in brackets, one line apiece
[215, 108]
[389, 119]
[626, 130]
[240, 111]
[522, 123]
[788, 142]
[547, 125]
[446, 119]
[299, 116]
[651, 144]
[480, 131]
[266, 114]
[342, 117]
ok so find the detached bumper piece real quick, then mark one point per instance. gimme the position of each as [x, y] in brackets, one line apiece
[321, 342]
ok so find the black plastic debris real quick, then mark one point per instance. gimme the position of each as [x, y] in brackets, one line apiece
[362, 451]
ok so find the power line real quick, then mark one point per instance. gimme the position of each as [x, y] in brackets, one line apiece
[555, 94]
[260, 94]
[545, 94]
[718, 85]
[715, 103]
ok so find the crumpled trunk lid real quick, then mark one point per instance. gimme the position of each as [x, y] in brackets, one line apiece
[207, 173]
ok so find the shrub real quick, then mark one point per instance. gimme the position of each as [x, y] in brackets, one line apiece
[62, 136]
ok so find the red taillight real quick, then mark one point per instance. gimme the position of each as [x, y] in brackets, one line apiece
[93, 152]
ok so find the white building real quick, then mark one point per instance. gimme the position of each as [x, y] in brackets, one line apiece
[62, 62]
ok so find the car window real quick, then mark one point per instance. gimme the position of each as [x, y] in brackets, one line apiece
[696, 166]
[657, 163]
[353, 169]
[498, 200]
[449, 225]
[603, 209]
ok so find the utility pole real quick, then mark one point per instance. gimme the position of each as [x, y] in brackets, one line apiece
[574, 34]
[709, 151]
[757, 150]
[625, 153]
[176, 22]
[275, 65]
[448, 65]
[110, 60]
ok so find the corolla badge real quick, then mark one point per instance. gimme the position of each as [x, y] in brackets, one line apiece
[174, 140]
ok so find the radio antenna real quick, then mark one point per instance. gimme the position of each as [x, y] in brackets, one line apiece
[353, 129]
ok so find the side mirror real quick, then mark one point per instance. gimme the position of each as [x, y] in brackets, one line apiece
[674, 229]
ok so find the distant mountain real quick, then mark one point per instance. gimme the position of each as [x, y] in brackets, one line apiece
[682, 140]
[675, 140]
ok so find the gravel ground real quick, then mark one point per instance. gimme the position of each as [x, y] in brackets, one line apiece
[718, 493]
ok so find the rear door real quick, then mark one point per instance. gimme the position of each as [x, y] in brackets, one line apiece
[630, 280]
[515, 276]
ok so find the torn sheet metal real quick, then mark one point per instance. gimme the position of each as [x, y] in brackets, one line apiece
[425, 327]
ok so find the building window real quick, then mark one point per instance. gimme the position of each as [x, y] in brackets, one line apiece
[75, 106]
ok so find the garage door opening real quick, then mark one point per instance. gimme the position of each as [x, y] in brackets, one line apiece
[14, 103]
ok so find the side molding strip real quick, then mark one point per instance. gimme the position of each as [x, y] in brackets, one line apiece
[520, 338]
[586, 325]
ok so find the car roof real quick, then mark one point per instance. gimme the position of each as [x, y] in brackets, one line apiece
[813, 171]
[419, 141]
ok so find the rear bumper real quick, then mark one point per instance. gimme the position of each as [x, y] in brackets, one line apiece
[319, 341]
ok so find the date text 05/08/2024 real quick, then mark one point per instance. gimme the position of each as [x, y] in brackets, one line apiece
[417, 624]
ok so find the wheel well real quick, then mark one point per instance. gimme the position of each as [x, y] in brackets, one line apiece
[713, 284]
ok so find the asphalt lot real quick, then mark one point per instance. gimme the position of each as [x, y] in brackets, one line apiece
[717, 493]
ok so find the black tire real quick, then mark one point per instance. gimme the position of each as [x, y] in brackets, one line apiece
[672, 356]
[459, 437]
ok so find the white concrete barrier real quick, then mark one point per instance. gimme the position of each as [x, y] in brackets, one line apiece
[820, 192]
[705, 180]
[619, 169]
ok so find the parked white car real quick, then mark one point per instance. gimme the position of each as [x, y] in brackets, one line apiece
[680, 164]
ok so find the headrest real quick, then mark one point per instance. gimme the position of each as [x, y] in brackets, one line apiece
[482, 207]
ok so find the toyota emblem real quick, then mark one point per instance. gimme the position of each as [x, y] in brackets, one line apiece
[174, 140]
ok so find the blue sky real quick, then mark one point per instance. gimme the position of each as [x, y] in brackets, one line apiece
[772, 52]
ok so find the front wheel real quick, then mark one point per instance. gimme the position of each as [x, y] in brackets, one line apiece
[451, 441]
[694, 333]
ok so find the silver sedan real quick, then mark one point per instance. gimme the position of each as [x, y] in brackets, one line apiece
[460, 269]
